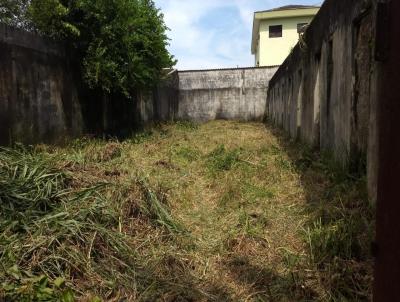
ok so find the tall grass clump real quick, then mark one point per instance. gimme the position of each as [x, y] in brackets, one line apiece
[59, 240]
[27, 184]
[340, 229]
[339, 239]
[155, 208]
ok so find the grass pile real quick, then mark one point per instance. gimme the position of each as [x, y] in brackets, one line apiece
[225, 211]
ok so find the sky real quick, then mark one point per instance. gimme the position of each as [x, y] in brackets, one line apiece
[214, 33]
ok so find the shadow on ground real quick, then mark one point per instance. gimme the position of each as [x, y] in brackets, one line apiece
[339, 233]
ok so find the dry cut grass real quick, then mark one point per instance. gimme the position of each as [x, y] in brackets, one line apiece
[225, 211]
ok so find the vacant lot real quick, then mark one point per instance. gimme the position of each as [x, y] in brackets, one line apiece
[225, 211]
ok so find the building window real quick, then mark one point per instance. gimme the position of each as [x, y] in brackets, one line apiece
[301, 27]
[275, 31]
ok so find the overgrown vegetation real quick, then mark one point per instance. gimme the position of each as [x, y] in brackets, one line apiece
[120, 45]
[13, 12]
[61, 234]
[220, 212]
[340, 228]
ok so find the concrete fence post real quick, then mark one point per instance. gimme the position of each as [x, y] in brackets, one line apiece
[387, 249]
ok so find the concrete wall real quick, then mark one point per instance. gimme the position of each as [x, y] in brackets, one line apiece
[324, 93]
[200, 96]
[166, 97]
[238, 94]
[42, 98]
[38, 97]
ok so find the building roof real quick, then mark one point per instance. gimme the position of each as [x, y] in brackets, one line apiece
[290, 7]
[288, 11]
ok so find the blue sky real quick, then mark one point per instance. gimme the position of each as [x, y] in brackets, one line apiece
[214, 33]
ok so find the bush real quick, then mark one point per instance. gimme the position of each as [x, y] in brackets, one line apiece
[120, 45]
[13, 12]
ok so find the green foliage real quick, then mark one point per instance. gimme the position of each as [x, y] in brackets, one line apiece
[128, 46]
[25, 287]
[13, 12]
[50, 17]
[27, 183]
[121, 44]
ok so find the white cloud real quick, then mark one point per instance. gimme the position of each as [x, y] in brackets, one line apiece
[187, 39]
[197, 44]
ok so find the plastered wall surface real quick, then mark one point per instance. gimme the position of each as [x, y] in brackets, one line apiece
[38, 96]
[238, 94]
[324, 92]
[42, 99]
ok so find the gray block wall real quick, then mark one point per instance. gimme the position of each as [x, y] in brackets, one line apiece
[324, 93]
[233, 94]
[42, 101]
[38, 97]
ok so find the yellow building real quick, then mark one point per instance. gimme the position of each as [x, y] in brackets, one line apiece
[276, 32]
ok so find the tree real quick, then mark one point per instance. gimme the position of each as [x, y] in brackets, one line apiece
[122, 44]
[13, 12]
[50, 18]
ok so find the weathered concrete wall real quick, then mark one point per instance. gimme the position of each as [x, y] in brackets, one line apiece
[324, 93]
[166, 98]
[122, 116]
[38, 98]
[238, 94]
[198, 96]
[42, 98]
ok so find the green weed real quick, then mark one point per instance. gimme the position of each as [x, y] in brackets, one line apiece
[187, 125]
[188, 153]
[253, 223]
[25, 287]
[339, 238]
[255, 193]
[222, 160]
[140, 137]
